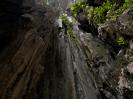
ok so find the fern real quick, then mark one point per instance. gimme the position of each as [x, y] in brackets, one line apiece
[76, 7]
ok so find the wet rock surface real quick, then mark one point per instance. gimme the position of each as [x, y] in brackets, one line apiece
[21, 60]
[39, 62]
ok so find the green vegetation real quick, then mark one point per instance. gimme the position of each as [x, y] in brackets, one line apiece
[71, 34]
[76, 7]
[97, 15]
[65, 20]
[113, 14]
[108, 11]
[121, 41]
[69, 25]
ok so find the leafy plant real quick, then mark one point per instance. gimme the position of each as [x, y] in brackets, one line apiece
[76, 7]
[112, 15]
[121, 41]
[70, 32]
[97, 15]
[127, 4]
[65, 19]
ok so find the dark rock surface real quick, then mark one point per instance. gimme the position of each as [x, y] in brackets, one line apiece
[85, 25]
[23, 47]
[95, 2]
[122, 26]
[38, 62]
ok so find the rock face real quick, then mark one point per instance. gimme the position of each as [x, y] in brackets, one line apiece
[58, 4]
[125, 21]
[85, 25]
[8, 20]
[122, 26]
[109, 32]
[24, 47]
[111, 73]
[39, 62]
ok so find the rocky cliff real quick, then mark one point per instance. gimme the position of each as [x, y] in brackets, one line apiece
[26, 32]
[39, 61]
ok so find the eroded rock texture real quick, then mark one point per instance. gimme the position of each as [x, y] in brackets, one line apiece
[39, 62]
[26, 32]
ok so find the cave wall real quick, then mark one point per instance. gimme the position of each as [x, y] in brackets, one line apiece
[25, 34]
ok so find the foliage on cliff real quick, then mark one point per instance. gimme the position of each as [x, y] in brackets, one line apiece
[69, 26]
[109, 10]
[97, 15]
[77, 7]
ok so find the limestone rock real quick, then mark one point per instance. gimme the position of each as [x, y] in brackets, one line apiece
[122, 26]
[125, 21]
